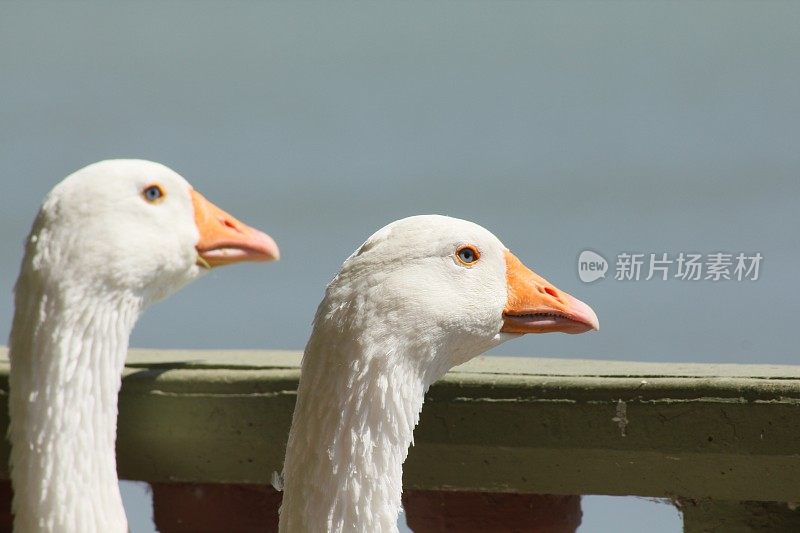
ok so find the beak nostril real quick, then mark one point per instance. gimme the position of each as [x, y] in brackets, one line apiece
[551, 291]
[227, 223]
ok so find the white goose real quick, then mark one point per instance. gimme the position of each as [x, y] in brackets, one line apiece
[109, 240]
[420, 296]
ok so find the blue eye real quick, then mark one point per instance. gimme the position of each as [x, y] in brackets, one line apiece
[468, 255]
[153, 193]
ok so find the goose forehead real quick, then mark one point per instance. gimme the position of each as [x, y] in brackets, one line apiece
[429, 233]
[111, 190]
[112, 177]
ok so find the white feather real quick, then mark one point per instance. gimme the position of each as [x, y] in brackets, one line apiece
[401, 312]
[96, 256]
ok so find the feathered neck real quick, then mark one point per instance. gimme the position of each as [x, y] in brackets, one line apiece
[358, 402]
[67, 351]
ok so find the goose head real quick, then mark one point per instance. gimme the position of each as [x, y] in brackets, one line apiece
[449, 284]
[136, 226]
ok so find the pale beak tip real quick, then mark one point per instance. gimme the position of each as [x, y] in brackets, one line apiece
[595, 322]
[266, 246]
[584, 313]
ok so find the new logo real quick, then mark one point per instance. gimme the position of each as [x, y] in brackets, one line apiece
[591, 266]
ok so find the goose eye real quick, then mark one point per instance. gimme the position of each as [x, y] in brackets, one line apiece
[153, 193]
[468, 255]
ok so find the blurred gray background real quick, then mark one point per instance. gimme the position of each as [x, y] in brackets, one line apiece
[614, 126]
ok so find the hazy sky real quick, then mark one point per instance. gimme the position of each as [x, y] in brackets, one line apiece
[611, 126]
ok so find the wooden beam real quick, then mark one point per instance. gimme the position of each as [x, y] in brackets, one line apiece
[720, 516]
[517, 425]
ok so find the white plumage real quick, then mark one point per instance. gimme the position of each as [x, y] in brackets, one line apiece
[109, 240]
[406, 307]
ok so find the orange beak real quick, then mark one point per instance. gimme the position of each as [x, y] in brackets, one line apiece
[536, 306]
[224, 240]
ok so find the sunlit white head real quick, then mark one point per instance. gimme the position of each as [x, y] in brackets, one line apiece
[136, 226]
[450, 284]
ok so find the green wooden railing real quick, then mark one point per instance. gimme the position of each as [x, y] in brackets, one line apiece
[722, 441]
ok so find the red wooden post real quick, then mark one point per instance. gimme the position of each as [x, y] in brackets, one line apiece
[6, 495]
[201, 508]
[479, 512]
